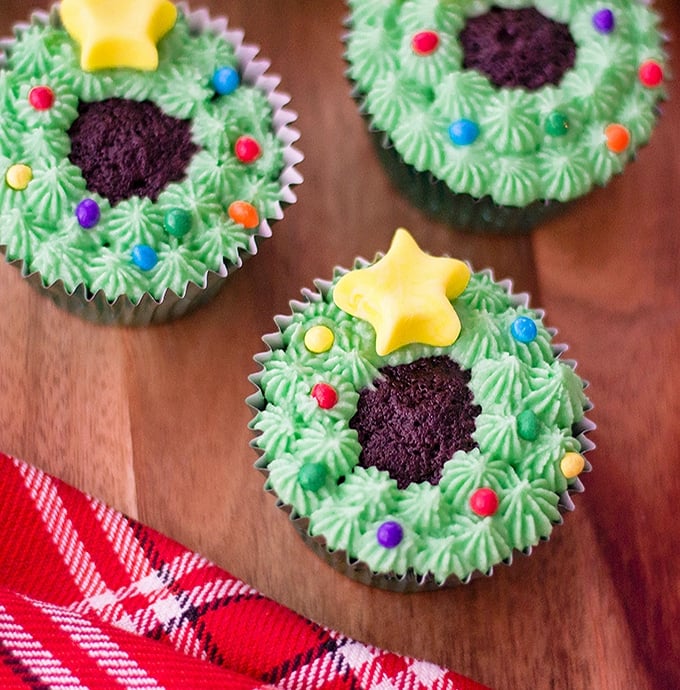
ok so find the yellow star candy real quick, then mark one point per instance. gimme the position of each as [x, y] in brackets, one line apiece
[118, 33]
[406, 296]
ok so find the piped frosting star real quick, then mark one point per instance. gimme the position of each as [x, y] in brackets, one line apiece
[406, 296]
[118, 33]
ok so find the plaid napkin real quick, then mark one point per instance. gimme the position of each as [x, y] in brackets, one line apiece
[92, 599]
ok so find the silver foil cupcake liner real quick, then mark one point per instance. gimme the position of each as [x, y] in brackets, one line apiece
[340, 560]
[96, 307]
[461, 211]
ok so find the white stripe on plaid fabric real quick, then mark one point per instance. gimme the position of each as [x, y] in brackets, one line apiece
[39, 661]
[360, 659]
[121, 535]
[363, 661]
[63, 533]
[322, 670]
[160, 606]
[110, 605]
[99, 646]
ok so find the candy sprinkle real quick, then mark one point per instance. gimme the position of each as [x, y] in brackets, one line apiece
[177, 222]
[225, 80]
[325, 395]
[247, 150]
[650, 74]
[88, 213]
[604, 21]
[144, 257]
[527, 425]
[556, 124]
[425, 43]
[41, 97]
[572, 465]
[245, 214]
[18, 176]
[390, 534]
[617, 138]
[523, 329]
[312, 476]
[319, 339]
[463, 132]
[484, 502]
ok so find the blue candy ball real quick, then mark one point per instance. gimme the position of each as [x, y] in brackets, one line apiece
[225, 80]
[144, 257]
[463, 132]
[524, 329]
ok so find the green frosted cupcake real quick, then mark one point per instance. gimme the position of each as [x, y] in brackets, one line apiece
[135, 179]
[495, 114]
[417, 421]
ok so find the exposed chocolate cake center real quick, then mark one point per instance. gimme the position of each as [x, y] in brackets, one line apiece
[415, 418]
[128, 148]
[518, 48]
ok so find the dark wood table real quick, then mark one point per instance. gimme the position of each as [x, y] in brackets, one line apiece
[154, 422]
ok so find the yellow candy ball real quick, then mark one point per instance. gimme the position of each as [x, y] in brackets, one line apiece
[572, 465]
[18, 176]
[319, 339]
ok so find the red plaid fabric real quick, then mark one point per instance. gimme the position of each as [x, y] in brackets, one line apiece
[90, 598]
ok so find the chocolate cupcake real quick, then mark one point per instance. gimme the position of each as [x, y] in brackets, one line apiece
[493, 116]
[143, 159]
[417, 421]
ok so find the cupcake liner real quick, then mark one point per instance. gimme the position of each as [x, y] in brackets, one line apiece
[148, 310]
[339, 559]
[462, 211]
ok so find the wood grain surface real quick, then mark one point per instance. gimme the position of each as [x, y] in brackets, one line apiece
[154, 422]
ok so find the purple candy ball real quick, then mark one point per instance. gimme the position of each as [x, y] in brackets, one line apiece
[88, 213]
[390, 534]
[603, 21]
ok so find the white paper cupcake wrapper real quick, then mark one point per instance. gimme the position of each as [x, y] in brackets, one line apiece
[339, 559]
[148, 310]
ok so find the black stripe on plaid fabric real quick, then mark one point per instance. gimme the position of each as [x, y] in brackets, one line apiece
[20, 669]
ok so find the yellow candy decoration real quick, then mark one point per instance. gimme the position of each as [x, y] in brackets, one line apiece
[18, 176]
[572, 465]
[120, 33]
[319, 339]
[406, 296]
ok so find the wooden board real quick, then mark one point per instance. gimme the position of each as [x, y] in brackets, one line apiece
[154, 421]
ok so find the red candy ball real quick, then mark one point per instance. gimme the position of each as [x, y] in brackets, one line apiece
[484, 502]
[425, 42]
[41, 97]
[326, 396]
[650, 73]
[247, 150]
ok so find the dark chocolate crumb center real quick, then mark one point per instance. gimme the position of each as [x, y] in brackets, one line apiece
[415, 418]
[128, 148]
[518, 48]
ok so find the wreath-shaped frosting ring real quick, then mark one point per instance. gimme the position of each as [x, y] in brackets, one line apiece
[553, 143]
[41, 84]
[531, 427]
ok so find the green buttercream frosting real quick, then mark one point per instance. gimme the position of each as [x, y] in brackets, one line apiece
[519, 460]
[516, 159]
[38, 223]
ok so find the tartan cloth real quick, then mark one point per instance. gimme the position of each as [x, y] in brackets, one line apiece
[90, 598]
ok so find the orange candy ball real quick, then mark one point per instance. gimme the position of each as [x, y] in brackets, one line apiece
[244, 214]
[618, 138]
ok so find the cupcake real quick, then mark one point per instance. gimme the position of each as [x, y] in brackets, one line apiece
[417, 421]
[143, 154]
[494, 115]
